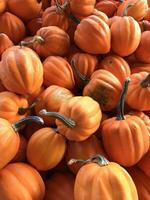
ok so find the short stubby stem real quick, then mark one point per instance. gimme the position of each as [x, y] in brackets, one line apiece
[146, 82]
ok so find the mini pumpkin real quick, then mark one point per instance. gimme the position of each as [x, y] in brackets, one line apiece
[5, 42]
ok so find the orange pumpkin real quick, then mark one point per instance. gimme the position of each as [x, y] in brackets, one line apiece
[78, 118]
[26, 9]
[139, 88]
[2, 6]
[21, 181]
[55, 190]
[125, 138]
[57, 71]
[142, 183]
[5, 42]
[12, 26]
[97, 178]
[49, 146]
[51, 100]
[34, 25]
[105, 88]
[96, 38]
[101, 15]
[125, 36]
[117, 66]
[51, 40]
[54, 16]
[136, 9]
[83, 150]
[139, 67]
[142, 52]
[21, 70]
[147, 16]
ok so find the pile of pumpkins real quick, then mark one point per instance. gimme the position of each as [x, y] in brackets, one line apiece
[74, 100]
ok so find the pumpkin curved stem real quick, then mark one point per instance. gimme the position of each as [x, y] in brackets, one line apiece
[125, 11]
[36, 38]
[99, 159]
[16, 126]
[67, 121]
[120, 108]
[61, 8]
[82, 77]
[22, 111]
[146, 82]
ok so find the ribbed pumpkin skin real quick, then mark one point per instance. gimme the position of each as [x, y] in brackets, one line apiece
[21, 70]
[145, 163]
[34, 25]
[9, 143]
[56, 42]
[52, 17]
[10, 104]
[83, 150]
[110, 182]
[137, 10]
[12, 26]
[24, 9]
[101, 15]
[117, 66]
[93, 35]
[51, 100]
[142, 183]
[105, 88]
[45, 149]
[125, 36]
[21, 181]
[142, 52]
[139, 67]
[57, 71]
[5, 42]
[129, 137]
[82, 8]
[138, 97]
[85, 112]
[55, 190]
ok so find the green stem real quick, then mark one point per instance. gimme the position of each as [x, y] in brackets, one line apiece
[67, 121]
[16, 126]
[146, 82]
[120, 108]
[125, 11]
[73, 18]
[99, 159]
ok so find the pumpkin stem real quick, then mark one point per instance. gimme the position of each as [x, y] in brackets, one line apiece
[73, 18]
[16, 126]
[125, 11]
[67, 121]
[82, 77]
[22, 111]
[120, 108]
[61, 8]
[99, 159]
[146, 82]
[36, 38]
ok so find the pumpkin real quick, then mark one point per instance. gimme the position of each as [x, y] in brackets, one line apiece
[111, 20]
[136, 9]
[108, 7]
[147, 16]
[55, 190]
[34, 25]
[125, 36]
[55, 16]
[144, 25]
[51, 40]
[117, 66]
[84, 64]
[82, 8]
[142, 52]
[96, 38]
[5, 42]
[139, 88]
[145, 163]
[105, 88]
[125, 137]
[12, 26]
[25, 9]
[51, 100]
[12, 106]
[49, 146]
[100, 179]
[21, 181]
[2, 6]
[57, 71]
[21, 70]
[139, 67]
[83, 150]
[101, 15]
[78, 118]
[142, 183]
